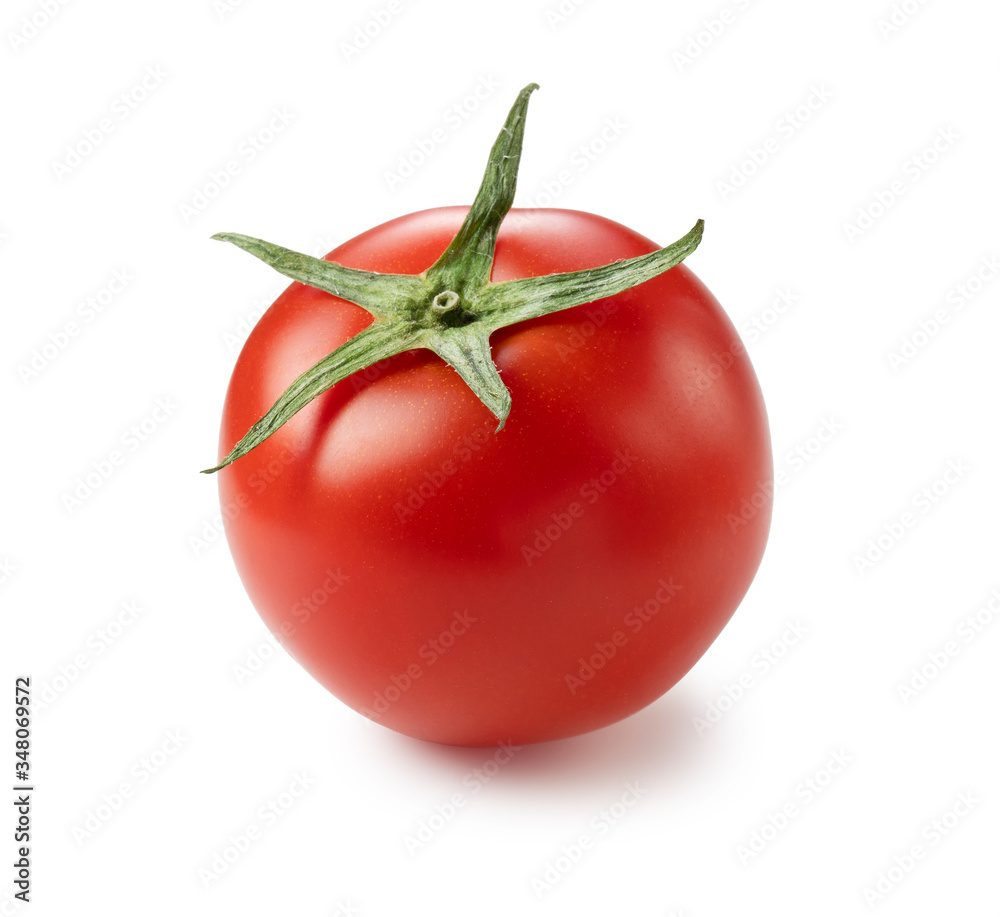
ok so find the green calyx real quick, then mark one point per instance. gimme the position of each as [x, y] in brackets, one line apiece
[452, 308]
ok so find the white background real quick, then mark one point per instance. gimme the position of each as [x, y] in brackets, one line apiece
[693, 96]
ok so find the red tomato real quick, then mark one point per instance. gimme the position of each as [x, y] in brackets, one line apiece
[469, 587]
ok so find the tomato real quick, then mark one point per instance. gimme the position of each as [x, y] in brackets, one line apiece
[469, 586]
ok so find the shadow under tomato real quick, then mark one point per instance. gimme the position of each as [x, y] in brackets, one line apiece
[658, 739]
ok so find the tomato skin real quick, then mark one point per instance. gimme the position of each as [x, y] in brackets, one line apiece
[470, 587]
